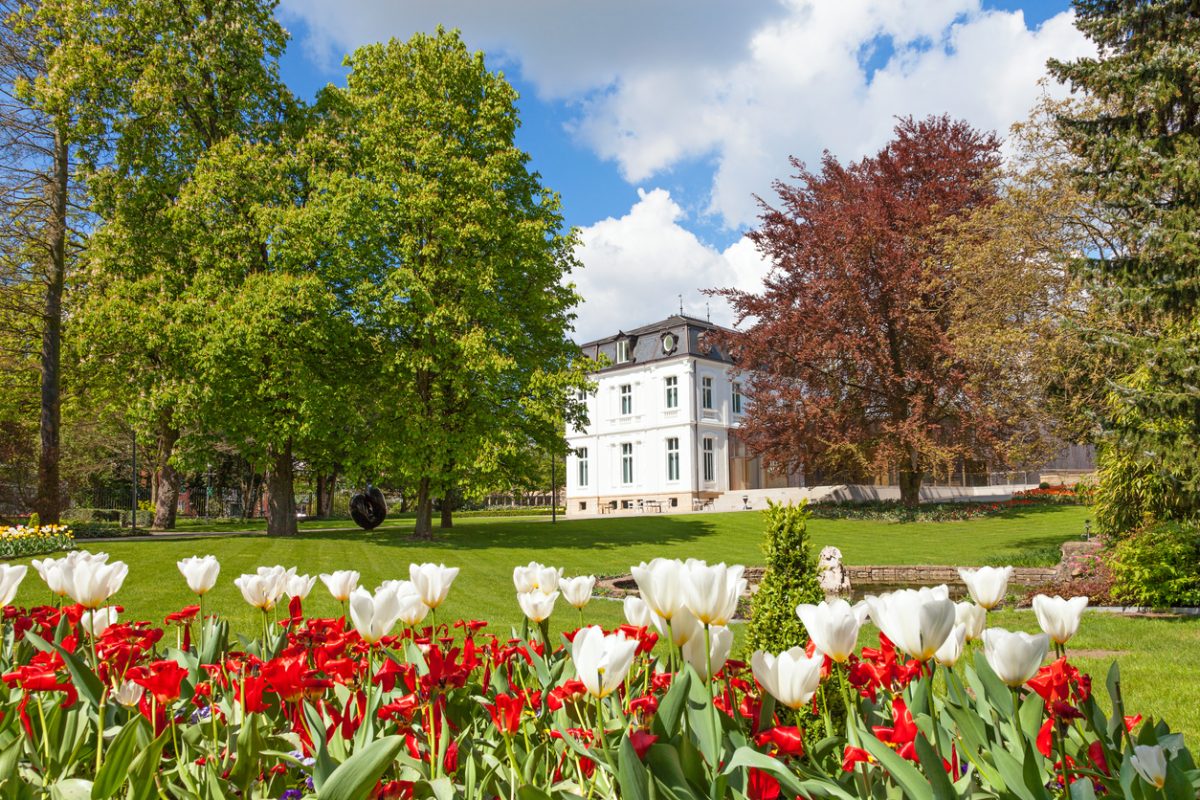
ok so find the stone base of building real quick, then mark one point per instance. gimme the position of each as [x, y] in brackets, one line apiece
[665, 503]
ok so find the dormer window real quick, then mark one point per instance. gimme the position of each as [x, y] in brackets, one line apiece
[622, 351]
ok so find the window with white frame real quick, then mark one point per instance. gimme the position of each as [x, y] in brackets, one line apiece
[582, 455]
[672, 384]
[622, 351]
[706, 396]
[673, 458]
[709, 462]
[626, 399]
[737, 397]
[626, 463]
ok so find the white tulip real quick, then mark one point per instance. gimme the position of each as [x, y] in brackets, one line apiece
[712, 592]
[637, 613]
[91, 582]
[56, 571]
[682, 629]
[987, 585]
[951, 650]
[916, 620]
[1150, 761]
[661, 585]
[200, 573]
[11, 576]
[833, 626]
[258, 590]
[535, 605]
[129, 694]
[374, 616]
[720, 640]
[399, 587]
[972, 617]
[299, 585]
[412, 608]
[276, 580]
[98, 621]
[341, 584]
[536, 578]
[577, 591]
[1059, 618]
[1014, 656]
[432, 581]
[602, 662]
[792, 677]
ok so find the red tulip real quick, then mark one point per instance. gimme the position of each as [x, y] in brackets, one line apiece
[162, 679]
[506, 713]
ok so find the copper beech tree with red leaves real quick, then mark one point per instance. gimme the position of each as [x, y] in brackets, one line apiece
[852, 368]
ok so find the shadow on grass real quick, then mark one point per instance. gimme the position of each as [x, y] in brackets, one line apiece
[526, 534]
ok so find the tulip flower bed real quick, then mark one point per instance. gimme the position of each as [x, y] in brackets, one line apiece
[387, 700]
[22, 540]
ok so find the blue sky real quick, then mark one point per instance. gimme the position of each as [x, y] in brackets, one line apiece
[657, 124]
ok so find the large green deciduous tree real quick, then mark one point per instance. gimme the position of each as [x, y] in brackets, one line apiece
[1138, 143]
[453, 257]
[153, 87]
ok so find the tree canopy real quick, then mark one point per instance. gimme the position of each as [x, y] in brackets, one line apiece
[852, 367]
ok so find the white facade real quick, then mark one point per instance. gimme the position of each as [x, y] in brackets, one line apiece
[658, 427]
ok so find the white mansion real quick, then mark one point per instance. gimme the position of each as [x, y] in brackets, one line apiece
[662, 435]
[662, 430]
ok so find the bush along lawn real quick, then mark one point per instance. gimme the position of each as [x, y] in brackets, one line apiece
[395, 699]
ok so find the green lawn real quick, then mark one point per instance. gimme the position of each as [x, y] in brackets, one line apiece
[487, 549]
[1154, 654]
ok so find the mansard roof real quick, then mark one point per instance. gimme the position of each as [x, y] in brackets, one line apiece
[647, 343]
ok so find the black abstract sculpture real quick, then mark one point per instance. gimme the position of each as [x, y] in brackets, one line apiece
[368, 508]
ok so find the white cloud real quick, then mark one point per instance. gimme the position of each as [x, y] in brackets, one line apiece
[743, 85]
[564, 48]
[804, 89]
[635, 268]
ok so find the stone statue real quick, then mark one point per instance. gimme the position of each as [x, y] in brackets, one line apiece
[833, 577]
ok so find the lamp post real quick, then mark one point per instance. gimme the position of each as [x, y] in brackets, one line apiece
[553, 490]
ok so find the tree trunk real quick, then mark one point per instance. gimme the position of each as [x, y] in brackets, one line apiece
[281, 495]
[48, 502]
[447, 514]
[423, 529]
[166, 479]
[322, 509]
[910, 485]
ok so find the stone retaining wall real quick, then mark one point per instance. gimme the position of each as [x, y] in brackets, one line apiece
[931, 575]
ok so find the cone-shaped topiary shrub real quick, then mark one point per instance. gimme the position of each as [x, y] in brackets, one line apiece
[790, 579]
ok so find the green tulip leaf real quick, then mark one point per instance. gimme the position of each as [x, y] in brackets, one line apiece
[670, 710]
[632, 776]
[355, 777]
[935, 770]
[71, 789]
[908, 777]
[117, 758]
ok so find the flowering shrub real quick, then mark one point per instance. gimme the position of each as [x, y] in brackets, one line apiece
[25, 540]
[356, 707]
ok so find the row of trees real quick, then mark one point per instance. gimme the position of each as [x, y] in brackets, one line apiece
[932, 303]
[371, 285]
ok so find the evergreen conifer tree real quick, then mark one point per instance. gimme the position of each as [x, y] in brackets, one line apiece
[1139, 146]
